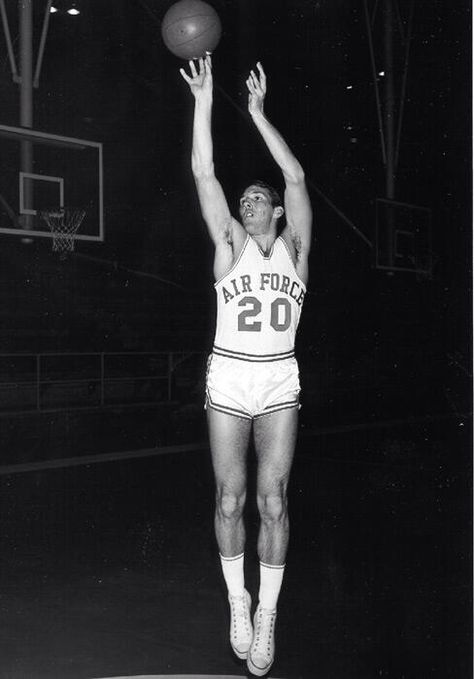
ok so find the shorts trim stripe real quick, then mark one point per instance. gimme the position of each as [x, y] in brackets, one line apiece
[279, 406]
[228, 411]
[252, 358]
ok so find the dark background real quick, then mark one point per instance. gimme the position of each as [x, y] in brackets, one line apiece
[107, 77]
[102, 562]
[373, 345]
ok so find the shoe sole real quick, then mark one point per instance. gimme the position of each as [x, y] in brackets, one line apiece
[241, 655]
[257, 671]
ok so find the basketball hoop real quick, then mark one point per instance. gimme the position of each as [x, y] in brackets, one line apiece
[64, 223]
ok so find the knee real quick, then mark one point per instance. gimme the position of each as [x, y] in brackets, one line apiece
[229, 504]
[273, 507]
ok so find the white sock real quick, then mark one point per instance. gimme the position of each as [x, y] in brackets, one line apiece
[271, 578]
[233, 571]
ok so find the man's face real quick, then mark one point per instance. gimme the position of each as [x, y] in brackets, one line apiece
[256, 210]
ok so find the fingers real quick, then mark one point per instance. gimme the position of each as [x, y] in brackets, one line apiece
[185, 75]
[257, 84]
[199, 68]
[207, 63]
[256, 81]
[263, 77]
[192, 68]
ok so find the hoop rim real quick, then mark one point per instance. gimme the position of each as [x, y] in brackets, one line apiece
[61, 211]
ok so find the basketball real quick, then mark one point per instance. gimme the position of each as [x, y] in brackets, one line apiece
[190, 28]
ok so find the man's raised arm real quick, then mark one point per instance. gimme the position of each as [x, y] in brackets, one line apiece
[297, 203]
[214, 207]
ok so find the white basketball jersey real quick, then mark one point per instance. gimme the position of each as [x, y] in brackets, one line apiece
[259, 304]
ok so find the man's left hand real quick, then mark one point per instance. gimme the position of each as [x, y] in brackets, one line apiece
[257, 87]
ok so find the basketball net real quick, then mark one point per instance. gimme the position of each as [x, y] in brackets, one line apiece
[63, 223]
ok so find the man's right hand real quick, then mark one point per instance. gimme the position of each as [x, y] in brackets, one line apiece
[200, 82]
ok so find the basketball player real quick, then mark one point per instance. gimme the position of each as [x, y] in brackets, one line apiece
[252, 381]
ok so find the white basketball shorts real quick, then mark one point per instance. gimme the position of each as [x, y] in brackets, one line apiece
[251, 389]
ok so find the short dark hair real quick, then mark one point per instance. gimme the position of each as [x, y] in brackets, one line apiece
[275, 198]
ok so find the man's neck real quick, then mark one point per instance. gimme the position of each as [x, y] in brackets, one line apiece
[265, 241]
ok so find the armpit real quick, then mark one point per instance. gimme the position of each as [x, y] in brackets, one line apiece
[298, 245]
[227, 232]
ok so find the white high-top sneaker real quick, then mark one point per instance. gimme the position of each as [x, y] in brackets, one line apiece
[241, 631]
[262, 650]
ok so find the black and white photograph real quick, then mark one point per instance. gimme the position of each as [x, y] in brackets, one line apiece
[236, 339]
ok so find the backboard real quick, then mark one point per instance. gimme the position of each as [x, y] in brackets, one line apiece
[403, 237]
[41, 171]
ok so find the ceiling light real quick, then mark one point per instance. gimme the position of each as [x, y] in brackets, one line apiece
[53, 10]
[73, 11]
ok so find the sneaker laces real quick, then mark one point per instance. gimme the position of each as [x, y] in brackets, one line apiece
[240, 615]
[263, 641]
[239, 606]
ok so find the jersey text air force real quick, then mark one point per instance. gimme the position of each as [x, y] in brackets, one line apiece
[259, 304]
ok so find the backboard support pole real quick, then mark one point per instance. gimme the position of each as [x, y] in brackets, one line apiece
[25, 8]
[8, 40]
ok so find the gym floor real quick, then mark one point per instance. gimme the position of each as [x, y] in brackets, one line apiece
[110, 569]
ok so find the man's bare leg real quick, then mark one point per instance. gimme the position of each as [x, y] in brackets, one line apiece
[229, 439]
[275, 439]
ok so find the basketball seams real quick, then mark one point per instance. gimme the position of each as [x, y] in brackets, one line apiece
[190, 16]
[196, 35]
